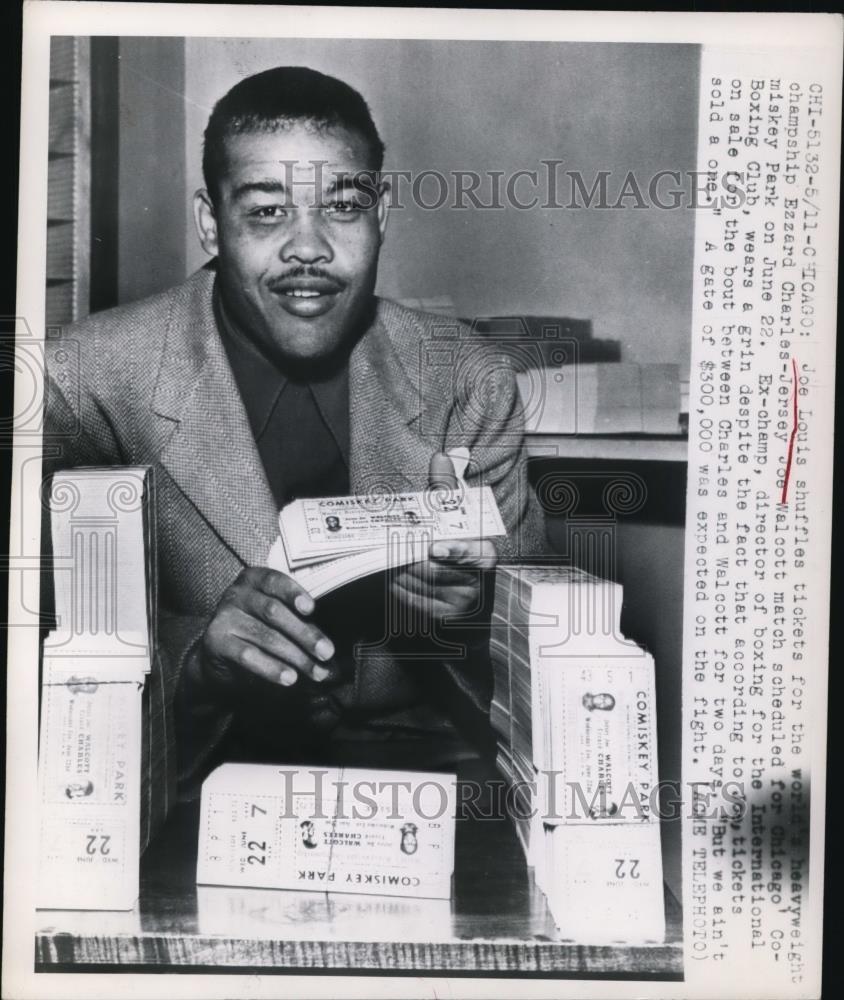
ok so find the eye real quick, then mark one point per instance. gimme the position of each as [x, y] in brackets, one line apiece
[266, 213]
[342, 208]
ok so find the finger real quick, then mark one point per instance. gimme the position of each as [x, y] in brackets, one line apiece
[478, 553]
[430, 574]
[441, 474]
[281, 648]
[449, 605]
[239, 652]
[425, 605]
[282, 587]
[275, 613]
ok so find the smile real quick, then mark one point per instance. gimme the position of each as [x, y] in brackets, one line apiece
[306, 303]
[306, 296]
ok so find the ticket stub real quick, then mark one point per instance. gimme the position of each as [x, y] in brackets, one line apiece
[603, 739]
[328, 829]
[89, 784]
[87, 743]
[614, 874]
[325, 527]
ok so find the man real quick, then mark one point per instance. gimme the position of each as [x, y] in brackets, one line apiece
[306, 828]
[272, 374]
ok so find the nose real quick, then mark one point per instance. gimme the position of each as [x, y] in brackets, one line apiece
[305, 241]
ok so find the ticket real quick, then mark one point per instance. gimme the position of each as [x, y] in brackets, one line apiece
[325, 575]
[603, 745]
[615, 875]
[87, 739]
[95, 664]
[328, 829]
[322, 528]
[89, 782]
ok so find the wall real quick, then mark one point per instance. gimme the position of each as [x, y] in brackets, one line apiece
[151, 242]
[507, 106]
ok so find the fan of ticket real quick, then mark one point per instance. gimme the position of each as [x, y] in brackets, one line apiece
[327, 542]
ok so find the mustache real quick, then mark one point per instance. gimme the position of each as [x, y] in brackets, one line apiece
[303, 271]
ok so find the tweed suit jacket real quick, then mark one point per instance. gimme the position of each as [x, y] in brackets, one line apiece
[150, 384]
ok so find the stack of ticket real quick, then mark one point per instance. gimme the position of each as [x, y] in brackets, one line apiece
[574, 711]
[383, 833]
[95, 665]
[328, 542]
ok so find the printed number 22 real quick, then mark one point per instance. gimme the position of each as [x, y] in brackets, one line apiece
[91, 847]
[633, 871]
[257, 845]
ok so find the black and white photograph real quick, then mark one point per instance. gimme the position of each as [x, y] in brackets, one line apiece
[411, 564]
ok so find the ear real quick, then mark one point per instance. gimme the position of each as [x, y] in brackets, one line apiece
[383, 207]
[206, 222]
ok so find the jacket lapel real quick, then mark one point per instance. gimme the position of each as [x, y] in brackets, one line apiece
[211, 453]
[391, 443]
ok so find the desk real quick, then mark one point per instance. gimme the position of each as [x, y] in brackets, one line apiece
[496, 923]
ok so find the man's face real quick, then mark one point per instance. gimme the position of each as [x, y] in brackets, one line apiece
[297, 246]
[78, 790]
[408, 842]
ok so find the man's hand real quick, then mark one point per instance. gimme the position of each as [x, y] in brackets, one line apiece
[448, 582]
[258, 630]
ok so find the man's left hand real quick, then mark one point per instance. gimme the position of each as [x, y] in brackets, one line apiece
[448, 583]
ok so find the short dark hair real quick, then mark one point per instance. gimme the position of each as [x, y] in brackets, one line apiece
[277, 97]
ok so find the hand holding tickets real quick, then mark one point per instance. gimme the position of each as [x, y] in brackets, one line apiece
[449, 582]
[260, 627]
[327, 542]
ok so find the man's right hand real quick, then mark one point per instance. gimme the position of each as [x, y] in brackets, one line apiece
[258, 631]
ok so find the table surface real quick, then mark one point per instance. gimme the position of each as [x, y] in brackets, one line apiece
[496, 922]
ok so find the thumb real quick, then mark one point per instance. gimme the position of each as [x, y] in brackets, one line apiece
[441, 474]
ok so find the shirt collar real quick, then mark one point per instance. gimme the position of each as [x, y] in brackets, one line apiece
[261, 381]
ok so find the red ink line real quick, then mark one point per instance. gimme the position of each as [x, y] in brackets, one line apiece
[792, 435]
